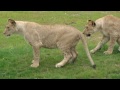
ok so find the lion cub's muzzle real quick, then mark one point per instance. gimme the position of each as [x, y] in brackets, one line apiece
[6, 34]
[88, 35]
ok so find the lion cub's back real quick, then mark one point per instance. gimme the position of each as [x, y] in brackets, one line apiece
[50, 28]
[58, 27]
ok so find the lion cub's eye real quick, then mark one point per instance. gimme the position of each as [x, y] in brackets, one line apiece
[86, 27]
[7, 27]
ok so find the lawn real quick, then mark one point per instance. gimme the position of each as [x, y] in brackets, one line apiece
[16, 54]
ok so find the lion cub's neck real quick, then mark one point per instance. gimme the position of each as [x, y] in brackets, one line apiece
[20, 27]
[99, 24]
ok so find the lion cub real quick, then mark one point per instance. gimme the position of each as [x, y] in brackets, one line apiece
[109, 26]
[63, 37]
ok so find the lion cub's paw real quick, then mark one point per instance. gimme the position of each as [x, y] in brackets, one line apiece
[92, 51]
[35, 65]
[32, 61]
[107, 52]
[119, 49]
[58, 65]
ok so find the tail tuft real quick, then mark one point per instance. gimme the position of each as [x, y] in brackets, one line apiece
[94, 66]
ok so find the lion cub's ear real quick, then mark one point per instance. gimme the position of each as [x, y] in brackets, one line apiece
[91, 22]
[12, 21]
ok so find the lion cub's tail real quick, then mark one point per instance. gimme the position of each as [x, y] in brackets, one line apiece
[82, 37]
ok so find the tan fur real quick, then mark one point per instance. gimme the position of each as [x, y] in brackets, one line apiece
[49, 36]
[109, 26]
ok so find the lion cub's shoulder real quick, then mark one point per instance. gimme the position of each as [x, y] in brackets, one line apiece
[111, 17]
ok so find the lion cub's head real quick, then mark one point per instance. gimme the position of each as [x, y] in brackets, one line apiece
[10, 27]
[89, 28]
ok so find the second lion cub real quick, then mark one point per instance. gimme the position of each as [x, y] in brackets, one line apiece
[109, 26]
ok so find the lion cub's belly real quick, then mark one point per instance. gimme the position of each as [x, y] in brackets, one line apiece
[49, 45]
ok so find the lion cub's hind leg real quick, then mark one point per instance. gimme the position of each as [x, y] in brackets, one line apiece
[67, 57]
[74, 55]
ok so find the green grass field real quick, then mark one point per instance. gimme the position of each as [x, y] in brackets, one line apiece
[16, 55]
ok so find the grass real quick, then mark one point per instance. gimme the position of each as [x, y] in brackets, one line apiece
[16, 55]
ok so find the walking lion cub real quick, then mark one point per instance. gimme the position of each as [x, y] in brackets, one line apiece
[63, 37]
[109, 26]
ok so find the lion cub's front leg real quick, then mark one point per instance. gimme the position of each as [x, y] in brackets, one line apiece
[35, 62]
[100, 44]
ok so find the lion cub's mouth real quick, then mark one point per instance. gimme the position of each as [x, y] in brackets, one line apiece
[8, 35]
[88, 35]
